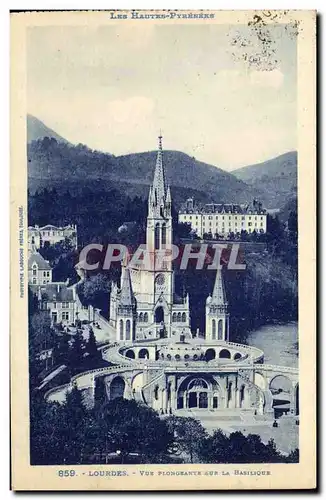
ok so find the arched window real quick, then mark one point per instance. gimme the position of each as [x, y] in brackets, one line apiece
[163, 234]
[141, 317]
[224, 353]
[121, 329]
[184, 317]
[179, 318]
[157, 236]
[220, 329]
[174, 317]
[145, 317]
[210, 354]
[128, 329]
[213, 329]
[143, 354]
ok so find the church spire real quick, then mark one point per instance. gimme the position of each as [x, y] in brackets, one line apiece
[126, 295]
[159, 183]
[219, 295]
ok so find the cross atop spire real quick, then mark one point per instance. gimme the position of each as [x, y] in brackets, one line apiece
[159, 183]
[160, 137]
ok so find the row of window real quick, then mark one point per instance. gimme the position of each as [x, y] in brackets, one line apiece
[63, 305]
[46, 274]
[179, 318]
[210, 217]
[230, 224]
[54, 233]
[44, 282]
[176, 317]
[143, 318]
[65, 316]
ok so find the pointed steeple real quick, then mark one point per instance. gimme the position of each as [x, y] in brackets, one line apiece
[159, 183]
[126, 295]
[219, 295]
[168, 195]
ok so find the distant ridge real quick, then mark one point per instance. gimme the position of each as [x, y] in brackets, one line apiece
[38, 130]
[63, 165]
[276, 179]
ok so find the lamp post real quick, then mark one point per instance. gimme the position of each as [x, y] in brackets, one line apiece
[118, 452]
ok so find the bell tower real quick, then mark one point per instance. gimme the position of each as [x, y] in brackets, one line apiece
[159, 219]
[217, 315]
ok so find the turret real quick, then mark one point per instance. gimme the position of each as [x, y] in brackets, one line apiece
[126, 310]
[217, 315]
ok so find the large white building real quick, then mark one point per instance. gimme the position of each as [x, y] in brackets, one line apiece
[38, 236]
[222, 219]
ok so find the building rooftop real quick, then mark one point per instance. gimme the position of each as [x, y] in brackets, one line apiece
[58, 292]
[36, 258]
[51, 227]
[190, 207]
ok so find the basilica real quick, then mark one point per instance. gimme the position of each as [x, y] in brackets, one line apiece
[146, 306]
[152, 355]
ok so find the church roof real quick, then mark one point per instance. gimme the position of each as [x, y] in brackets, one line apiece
[219, 295]
[126, 294]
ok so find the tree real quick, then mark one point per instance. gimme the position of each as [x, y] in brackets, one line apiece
[76, 354]
[130, 427]
[95, 291]
[238, 448]
[91, 347]
[61, 350]
[189, 434]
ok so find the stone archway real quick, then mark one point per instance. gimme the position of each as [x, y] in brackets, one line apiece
[130, 354]
[280, 384]
[143, 354]
[117, 388]
[224, 354]
[282, 393]
[159, 314]
[210, 354]
[199, 393]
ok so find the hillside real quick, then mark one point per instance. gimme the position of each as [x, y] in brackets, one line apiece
[276, 179]
[61, 165]
[37, 130]
[54, 162]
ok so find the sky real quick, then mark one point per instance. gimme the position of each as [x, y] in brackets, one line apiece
[115, 87]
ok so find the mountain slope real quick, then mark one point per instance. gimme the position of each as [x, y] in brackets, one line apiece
[37, 130]
[53, 163]
[276, 179]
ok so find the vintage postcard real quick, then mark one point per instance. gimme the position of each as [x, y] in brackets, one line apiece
[163, 250]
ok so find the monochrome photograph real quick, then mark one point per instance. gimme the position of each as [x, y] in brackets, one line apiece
[158, 257]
